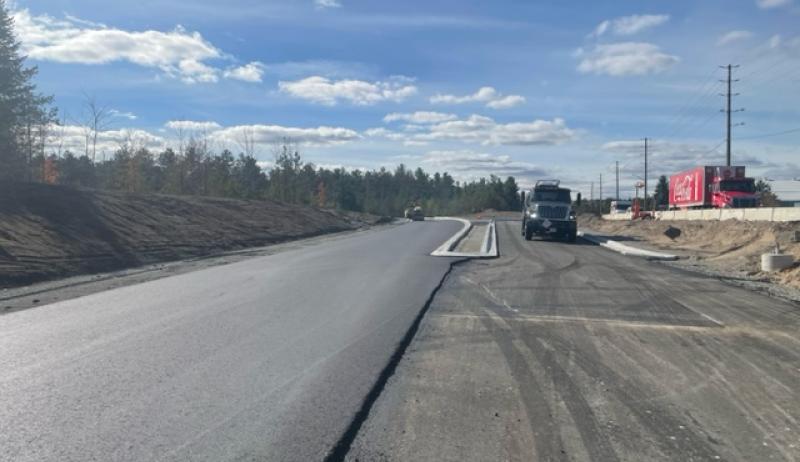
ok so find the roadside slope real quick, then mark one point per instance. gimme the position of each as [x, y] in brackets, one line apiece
[48, 232]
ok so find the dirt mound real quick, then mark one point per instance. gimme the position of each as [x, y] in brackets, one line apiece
[729, 245]
[48, 232]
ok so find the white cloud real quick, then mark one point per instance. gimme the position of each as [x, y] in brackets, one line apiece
[506, 102]
[630, 25]
[324, 4]
[471, 165]
[488, 95]
[485, 131]
[268, 135]
[263, 134]
[73, 138]
[733, 36]
[193, 125]
[251, 72]
[322, 90]
[419, 117]
[625, 58]
[124, 115]
[767, 4]
[177, 53]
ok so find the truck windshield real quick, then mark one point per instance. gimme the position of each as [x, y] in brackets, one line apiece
[558, 195]
[737, 186]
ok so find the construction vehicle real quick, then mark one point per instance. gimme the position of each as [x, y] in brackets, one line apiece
[414, 213]
[548, 212]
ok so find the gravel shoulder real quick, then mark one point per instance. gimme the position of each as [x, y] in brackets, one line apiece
[729, 250]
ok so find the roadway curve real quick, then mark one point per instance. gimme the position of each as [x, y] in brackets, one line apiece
[265, 359]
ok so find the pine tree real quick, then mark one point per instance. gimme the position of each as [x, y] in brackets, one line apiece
[662, 191]
[24, 114]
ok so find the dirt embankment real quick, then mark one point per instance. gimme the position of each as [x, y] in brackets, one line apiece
[48, 232]
[729, 246]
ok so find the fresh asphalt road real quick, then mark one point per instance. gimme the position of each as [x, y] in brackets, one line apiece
[571, 352]
[265, 359]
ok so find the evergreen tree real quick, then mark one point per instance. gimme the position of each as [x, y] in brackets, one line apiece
[662, 191]
[24, 113]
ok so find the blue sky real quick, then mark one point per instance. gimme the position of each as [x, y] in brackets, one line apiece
[523, 88]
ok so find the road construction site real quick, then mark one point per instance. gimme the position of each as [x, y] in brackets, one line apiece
[367, 346]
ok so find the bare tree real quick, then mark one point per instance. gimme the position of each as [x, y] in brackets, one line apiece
[247, 141]
[57, 135]
[96, 118]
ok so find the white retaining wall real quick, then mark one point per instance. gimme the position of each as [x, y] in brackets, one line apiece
[753, 214]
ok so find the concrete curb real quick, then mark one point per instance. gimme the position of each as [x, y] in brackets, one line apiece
[619, 247]
[488, 248]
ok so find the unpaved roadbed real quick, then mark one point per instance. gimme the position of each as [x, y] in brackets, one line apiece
[728, 249]
[571, 352]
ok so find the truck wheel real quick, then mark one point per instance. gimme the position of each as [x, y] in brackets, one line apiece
[572, 236]
[528, 233]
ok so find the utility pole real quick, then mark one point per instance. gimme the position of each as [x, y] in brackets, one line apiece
[645, 172]
[728, 111]
[601, 188]
[591, 194]
[617, 169]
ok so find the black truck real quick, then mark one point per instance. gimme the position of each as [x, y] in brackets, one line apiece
[547, 211]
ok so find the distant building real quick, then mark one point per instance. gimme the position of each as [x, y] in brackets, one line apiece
[788, 191]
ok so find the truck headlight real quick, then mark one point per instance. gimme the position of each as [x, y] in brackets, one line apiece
[572, 215]
[532, 214]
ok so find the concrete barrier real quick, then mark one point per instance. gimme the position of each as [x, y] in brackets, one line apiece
[489, 247]
[782, 214]
[616, 246]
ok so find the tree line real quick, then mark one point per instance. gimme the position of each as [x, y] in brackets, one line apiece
[196, 171]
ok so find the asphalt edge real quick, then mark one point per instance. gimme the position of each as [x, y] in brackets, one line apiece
[627, 250]
[342, 447]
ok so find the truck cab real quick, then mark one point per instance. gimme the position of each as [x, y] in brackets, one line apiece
[548, 212]
[732, 192]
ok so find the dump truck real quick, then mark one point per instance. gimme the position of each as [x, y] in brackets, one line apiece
[548, 212]
[415, 213]
[712, 187]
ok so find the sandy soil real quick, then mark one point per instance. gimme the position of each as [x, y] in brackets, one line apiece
[730, 246]
[51, 232]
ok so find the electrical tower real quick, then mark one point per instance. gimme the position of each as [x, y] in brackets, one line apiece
[728, 111]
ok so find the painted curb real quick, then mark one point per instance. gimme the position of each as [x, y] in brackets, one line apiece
[488, 248]
[619, 247]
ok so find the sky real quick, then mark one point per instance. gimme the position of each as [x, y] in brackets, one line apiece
[530, 89]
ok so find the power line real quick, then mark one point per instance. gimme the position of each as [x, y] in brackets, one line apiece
[714, 148]
[685, 114]
[767, 135]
